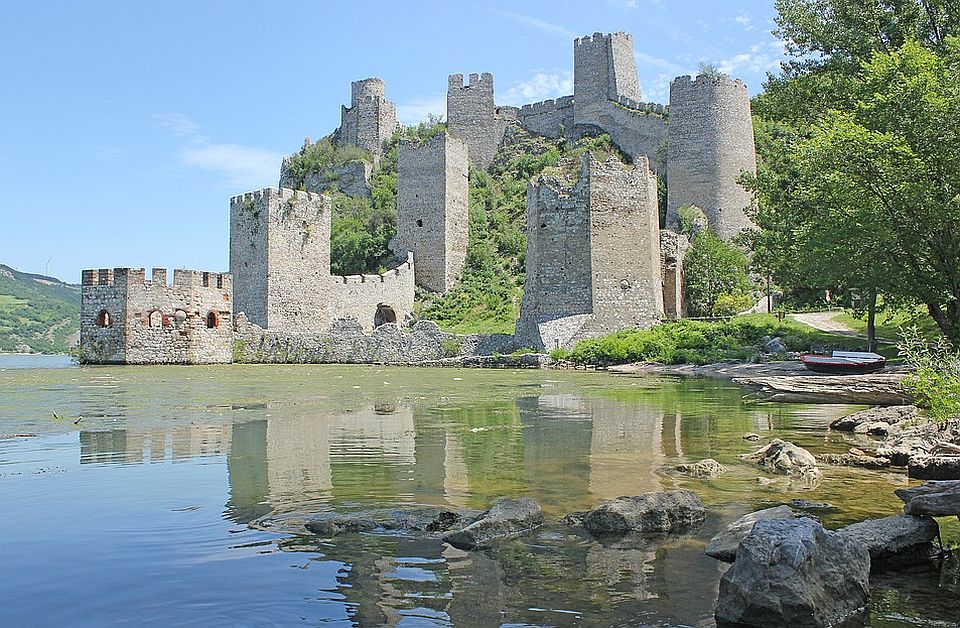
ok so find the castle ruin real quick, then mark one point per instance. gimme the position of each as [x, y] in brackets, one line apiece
[127, 319]
[596, 259]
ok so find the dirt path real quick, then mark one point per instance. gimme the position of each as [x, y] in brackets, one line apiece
[823, 321]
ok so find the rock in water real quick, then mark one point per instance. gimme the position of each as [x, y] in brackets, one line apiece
[785, 458]
[417, 519]
[750, 436]
[888, 414]
[934, 468]
[795, 573]
[507, 518]
[671, 511]
[895, 540]
[724, 545]
[708, 468]
[934, 499]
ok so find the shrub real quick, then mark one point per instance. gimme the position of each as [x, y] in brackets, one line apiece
[715, 279]
[935, 382]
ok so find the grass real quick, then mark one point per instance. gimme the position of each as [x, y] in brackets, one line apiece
[699, 342]
[890, 322]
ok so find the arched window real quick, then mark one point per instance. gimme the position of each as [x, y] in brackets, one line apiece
[156, 319]
[213, 320]
[384, 315]
[103, 319]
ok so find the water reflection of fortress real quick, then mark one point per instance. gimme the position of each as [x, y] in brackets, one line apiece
[563, 449]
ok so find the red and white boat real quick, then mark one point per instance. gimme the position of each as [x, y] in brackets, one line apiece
[844, 362]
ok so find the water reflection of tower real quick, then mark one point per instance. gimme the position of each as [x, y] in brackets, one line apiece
[132, 446]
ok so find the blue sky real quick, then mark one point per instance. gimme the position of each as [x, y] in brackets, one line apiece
[126, 126]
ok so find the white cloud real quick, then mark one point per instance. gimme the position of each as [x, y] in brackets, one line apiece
[762, 57]
[536, 23]
[241, 167]
[744, 20]
[645, 60]
[541, 86]
[419, 109]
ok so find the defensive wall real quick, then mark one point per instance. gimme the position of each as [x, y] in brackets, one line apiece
[127, 319]
[473, 117]
[370, 119]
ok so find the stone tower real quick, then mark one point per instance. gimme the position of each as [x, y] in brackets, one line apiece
[711, 143]
[432, 202]
[280, 258]
[473, 117]
[593, 255]
[604, 69]
[370, 120]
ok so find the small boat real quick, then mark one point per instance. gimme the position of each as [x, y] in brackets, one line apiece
[844, 362]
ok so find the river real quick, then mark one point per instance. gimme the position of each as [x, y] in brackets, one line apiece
[141, 495]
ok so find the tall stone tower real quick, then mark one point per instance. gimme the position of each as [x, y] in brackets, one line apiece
[280, 257]
[472, 117]
[711, 143]
[604, 69]
[370, 119]
[593, 255]
[432, 202]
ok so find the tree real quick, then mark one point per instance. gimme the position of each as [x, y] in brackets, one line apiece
[715, 281]
[869, 197]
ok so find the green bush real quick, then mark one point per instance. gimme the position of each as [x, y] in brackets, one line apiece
[935, 381]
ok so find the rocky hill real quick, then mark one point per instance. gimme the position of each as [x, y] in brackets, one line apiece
[38, 314]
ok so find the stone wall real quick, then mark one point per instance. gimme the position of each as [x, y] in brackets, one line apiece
[473, 117]
[432, 209]
[127, 319]
[549, 118]
[711, 143]
[593, 255]
[375, 300]
[673, 248]
[370, 120]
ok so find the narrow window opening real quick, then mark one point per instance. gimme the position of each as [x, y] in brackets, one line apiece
[103, 319]
[156, 319]
[213, 320]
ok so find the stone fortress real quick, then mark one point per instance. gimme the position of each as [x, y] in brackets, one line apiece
[597, 260]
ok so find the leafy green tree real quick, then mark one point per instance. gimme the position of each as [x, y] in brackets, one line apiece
[715, 280]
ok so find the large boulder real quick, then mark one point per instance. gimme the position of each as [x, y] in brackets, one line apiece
[795, 573]
[895, 540]
[723, 546]
[707, 468]
[671, 511]
[889, 415]
[934, 499]
[784, 457]
[918, 441]
[506, 519]
[934, 468]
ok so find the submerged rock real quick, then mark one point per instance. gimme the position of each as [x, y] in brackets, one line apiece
[750, 436]
[854, 460]
[895, 540]
[506, 519]
[708, 468]
[785, 458]
[806, 504]
[723, 546]
[888, 415]
[426, 519]
[671, 511]
[795, 573]
[935, 499]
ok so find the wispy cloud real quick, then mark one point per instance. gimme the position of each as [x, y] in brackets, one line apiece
[541, 86]
[629, 4]
[761, 57]
[417, 110]
[744, 20]
[536, 23]
[240, 167]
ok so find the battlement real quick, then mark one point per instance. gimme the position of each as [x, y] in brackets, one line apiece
[642, 107]
[129, 277]
[706, 81]
[482, 81]
[391, 274]
[267, 195]
[546, 106]
[367, 89]
[601, 38]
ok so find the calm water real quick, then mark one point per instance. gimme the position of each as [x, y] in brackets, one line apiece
[169, 502]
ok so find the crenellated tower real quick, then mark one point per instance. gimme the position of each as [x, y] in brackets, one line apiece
[473, 117]
[710, 144]
[604, 69]
[370, 120]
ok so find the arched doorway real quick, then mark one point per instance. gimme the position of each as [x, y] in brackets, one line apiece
[385, 314]
[213, 320]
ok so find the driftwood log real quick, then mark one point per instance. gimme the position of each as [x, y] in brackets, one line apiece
[877, 389]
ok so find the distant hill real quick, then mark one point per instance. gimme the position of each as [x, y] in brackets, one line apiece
[37, 314]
